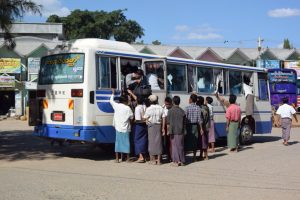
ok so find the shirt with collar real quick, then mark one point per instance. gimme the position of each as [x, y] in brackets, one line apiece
[122, 116]
[285, 111]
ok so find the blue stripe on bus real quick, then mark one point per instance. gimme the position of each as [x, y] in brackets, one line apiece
[97, 134]
[262, 127]
[105, 107]
[106, 98]
[106, 134]
[125, 54]
[107, 92]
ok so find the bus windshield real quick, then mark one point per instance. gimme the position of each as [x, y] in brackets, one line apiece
[62, 68]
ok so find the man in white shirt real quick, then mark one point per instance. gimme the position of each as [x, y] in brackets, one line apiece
[121, 121]
[153, 116]
[286, 112]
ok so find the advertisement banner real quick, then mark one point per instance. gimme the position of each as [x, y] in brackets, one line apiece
[293, 65]
[7, 81]
[268, 64]
[31, 85]
[33, 65]
[10, 65]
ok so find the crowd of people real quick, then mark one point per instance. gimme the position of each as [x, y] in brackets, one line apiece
[148, 130]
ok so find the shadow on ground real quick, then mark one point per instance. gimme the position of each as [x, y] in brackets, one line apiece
[22, 145]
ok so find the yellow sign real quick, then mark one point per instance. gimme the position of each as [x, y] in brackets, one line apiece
[10, 65]
[61, 60]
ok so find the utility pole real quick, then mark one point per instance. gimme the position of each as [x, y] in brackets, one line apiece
[259, 41]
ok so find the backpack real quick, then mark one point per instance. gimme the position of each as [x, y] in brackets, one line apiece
[205, 117]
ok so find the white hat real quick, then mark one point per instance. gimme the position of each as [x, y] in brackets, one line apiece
[152, 98]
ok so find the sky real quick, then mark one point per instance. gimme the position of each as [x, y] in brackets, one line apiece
[216, 23]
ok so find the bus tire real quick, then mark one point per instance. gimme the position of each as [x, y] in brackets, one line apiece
[246, 134]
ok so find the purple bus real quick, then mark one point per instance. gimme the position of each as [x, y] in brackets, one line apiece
[283, 83]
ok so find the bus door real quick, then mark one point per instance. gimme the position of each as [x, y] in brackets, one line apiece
[155, 73]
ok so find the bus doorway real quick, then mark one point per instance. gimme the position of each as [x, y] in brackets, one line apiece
[7, 99]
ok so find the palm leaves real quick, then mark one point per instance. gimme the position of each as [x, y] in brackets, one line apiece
[10, 10]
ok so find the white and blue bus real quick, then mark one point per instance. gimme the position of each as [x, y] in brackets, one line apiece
[74, 88]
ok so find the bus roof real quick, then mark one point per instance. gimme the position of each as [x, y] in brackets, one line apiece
[95, 43]
[126, 50]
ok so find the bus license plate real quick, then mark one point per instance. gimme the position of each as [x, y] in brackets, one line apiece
[58, 116]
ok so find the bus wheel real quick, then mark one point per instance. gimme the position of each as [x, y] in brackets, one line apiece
[245, 134]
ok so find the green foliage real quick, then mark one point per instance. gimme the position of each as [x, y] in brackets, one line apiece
[287, 44]
[54, 19]
[99, 24]
[11, 11]
[156, 42]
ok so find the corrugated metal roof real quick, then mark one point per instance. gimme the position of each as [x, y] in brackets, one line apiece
[27, 44]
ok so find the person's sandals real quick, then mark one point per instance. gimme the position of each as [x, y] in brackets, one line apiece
[152, 162]
[140, 161]
[174, 164]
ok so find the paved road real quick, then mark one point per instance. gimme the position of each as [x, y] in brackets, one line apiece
[31, 169]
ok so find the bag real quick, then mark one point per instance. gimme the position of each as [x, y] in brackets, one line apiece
[142, 90]
[205, 116]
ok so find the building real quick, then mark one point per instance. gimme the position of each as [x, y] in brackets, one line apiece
[19, 67]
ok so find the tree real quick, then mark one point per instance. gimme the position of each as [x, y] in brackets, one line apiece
[287, 44]
[54, 19]
[99, 24]
[156, 42]
[12, 10]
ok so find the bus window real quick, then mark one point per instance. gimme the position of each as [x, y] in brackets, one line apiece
[128, 66]
[263, 86]
[62, 69]
[191, 72]
[205, 79]
[235, 82]
[155, 74]
[176, 77]
[107, 74]
[218, 81]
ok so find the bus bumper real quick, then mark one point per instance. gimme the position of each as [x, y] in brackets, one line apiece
[101, 134]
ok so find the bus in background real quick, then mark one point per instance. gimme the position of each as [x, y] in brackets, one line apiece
[282, 83]
[74, 88]
[298, 93]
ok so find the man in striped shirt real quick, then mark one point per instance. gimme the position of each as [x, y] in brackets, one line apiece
[193, 121]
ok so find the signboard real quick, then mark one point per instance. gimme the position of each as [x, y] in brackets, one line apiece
[268, 64]
[293, 65]
[33, 65]
[7, 81]
[282, 76]
[31, 85]
[10, 65]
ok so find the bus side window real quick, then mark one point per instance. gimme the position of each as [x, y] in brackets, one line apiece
[218, 81]
[263, 87]
[128, 66]
[205, 81]
[235, 82]
[176, 77]
[155, 74]
[106, 72]
[191, 74]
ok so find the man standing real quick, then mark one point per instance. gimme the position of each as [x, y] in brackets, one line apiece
[286, 111]
[233, 119]
[153, 117]
[193, 125]
[166, 138]
[175, 121]
[122, 118]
